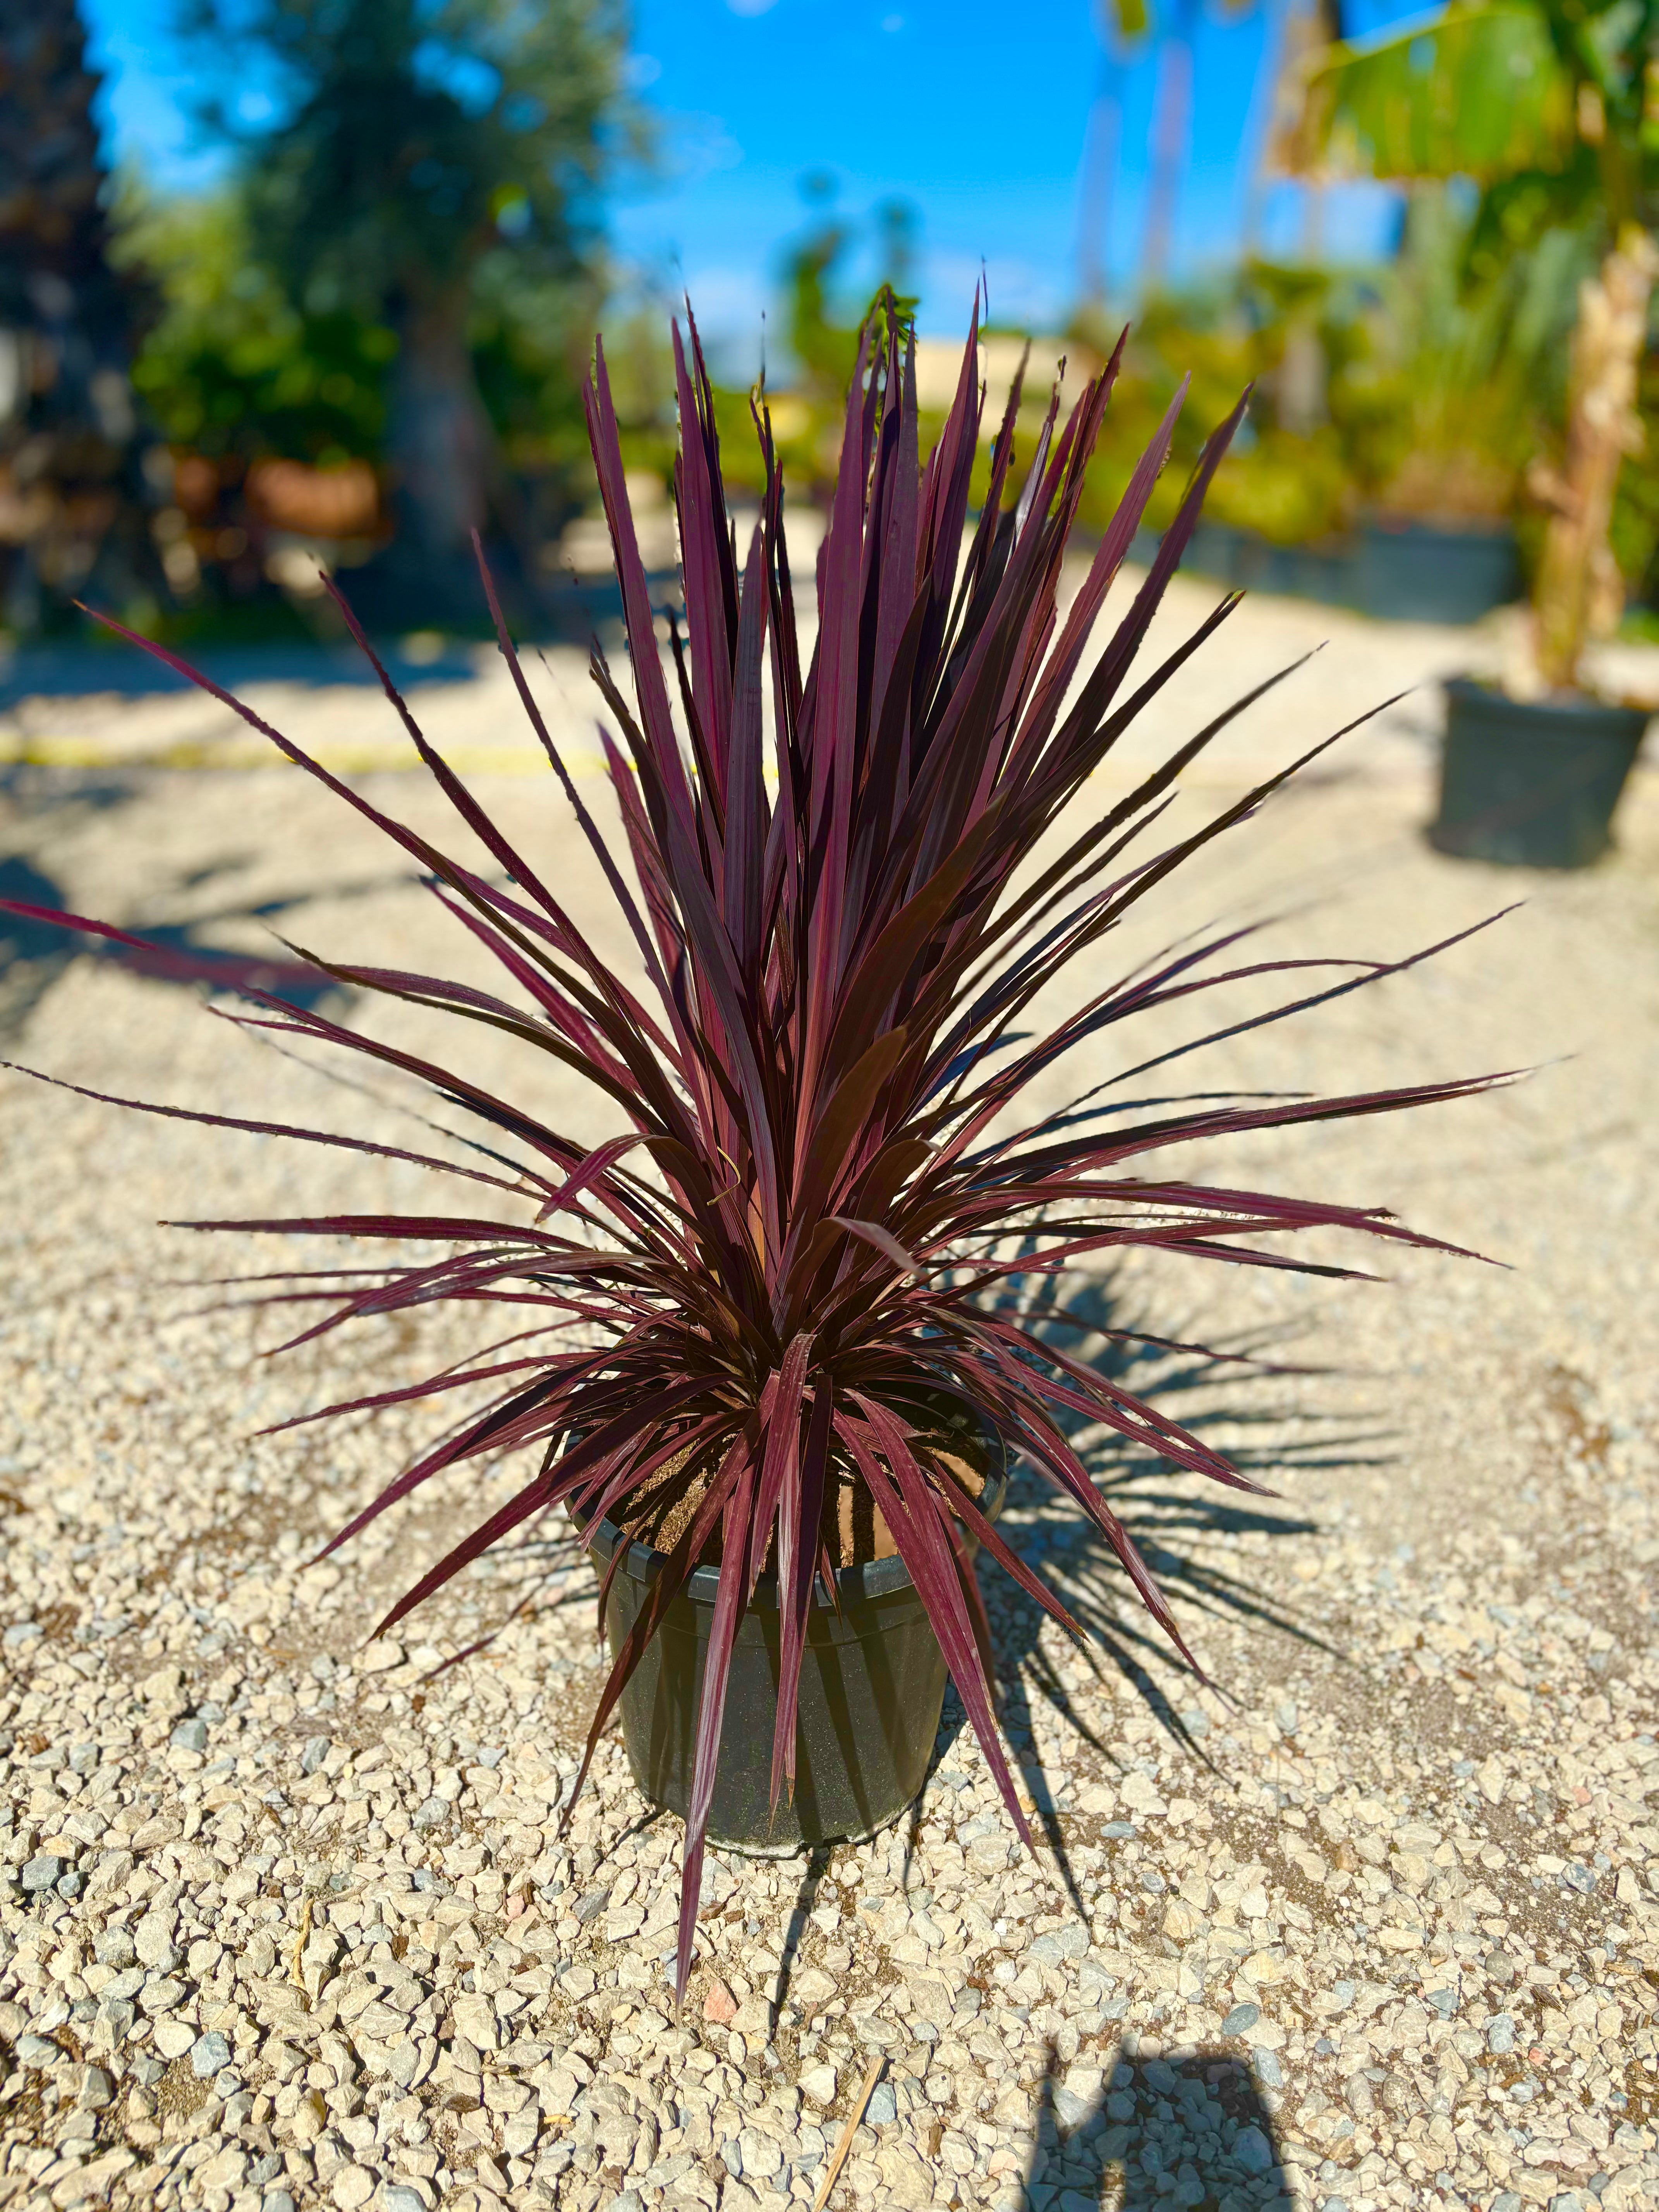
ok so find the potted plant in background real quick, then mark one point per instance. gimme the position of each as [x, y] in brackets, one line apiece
[1546, 105]
[1438, 410]
[1278, 513]
[764, 1364]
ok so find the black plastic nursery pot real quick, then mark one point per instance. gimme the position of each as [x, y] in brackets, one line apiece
[1531, 783]
[1322, 571]
[1396, 568]
[1407, 570]
[872, 1689]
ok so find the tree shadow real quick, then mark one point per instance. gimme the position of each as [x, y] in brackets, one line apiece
[34, 955]
[1192, 2132]
[83, 669]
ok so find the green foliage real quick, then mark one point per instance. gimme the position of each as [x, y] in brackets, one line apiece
[1287, 332]
[433, 170]
[1553, 94]
[1462, 371]
[823, 348]
[1478, 93]
[529, 342]
[1424, 387]
[232, 366]
[821, 336]
[417, 138]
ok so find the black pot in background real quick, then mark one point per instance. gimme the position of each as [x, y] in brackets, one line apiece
[1531, 783]
[871, 1688]
[1323, 570]
[1395, 569]
[1406, 570]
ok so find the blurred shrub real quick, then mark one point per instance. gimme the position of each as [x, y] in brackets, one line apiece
[1463, 363]
[232, 367]
[1423, 387]
[1291, 333]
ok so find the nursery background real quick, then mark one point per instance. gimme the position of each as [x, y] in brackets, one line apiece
[300, 282]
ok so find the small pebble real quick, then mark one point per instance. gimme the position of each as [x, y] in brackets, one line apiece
[209, 2053]
[1252, 2150]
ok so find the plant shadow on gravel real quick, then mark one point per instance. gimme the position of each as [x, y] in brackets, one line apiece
[1175, 1529]
[35, 956]
[1188, 2135]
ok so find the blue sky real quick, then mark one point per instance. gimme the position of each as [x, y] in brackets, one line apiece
[974, 111]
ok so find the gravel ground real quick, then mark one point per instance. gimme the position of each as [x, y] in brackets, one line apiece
[1365, 1919]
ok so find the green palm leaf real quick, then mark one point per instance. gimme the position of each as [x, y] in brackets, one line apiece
[1480, 92]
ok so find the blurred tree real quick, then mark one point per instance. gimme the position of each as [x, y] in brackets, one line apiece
[1550, 106]
[1291, 333]
[429, 157]
[75, 505]
[1463, 366]
[245, 385]
[823, 347]
[1172, 124]
[1103, 147]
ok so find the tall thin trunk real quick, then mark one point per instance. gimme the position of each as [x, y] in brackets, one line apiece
[1101, 151]
[1275, 103]
[1579, 593]
[1171, 124]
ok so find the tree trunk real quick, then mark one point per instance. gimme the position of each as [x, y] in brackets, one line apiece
[1579, 593]
[1103, 153]
[1171, 123]
[441, 445]
[76, 505]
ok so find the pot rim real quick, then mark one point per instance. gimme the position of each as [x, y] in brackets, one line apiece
[1559, 709]
[872, 1578]
[1460, 530]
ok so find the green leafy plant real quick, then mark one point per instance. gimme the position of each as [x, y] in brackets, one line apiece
[1548, 105]
[1288, 333]
[231, 368]
[825, 1162]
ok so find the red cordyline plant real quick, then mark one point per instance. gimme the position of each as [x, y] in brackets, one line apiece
[785, 1260]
